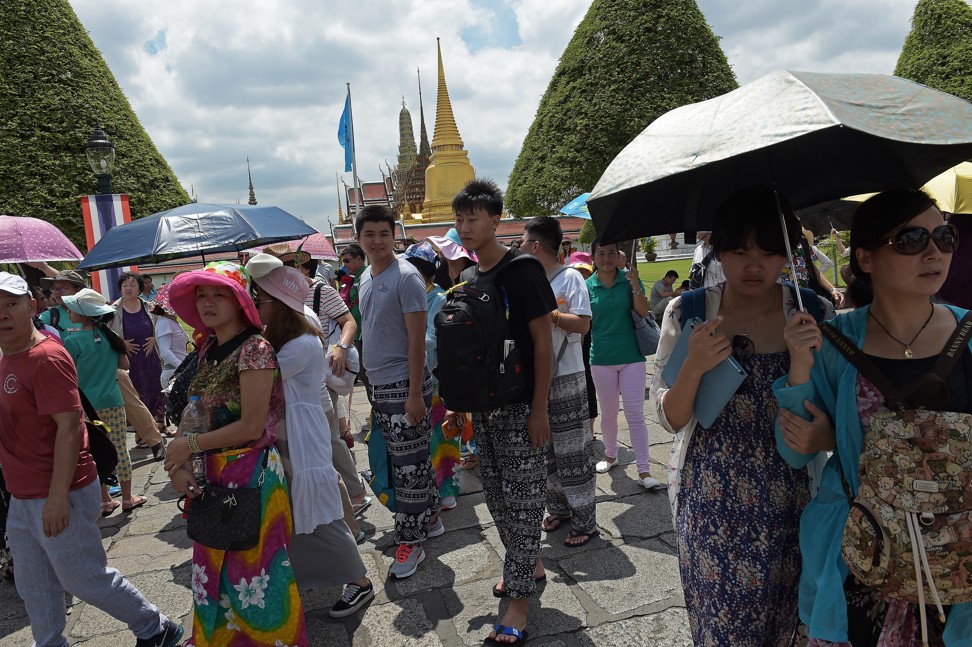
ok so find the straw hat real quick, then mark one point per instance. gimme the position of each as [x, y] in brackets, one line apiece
[287, 255]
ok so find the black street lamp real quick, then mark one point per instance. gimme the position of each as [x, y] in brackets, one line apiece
[101, 158]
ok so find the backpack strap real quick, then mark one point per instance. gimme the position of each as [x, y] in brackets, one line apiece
[88, 409]
[317, 299]
[707, 259]
[954, 348]
[811, 301]
[862, 363]
[693, 305]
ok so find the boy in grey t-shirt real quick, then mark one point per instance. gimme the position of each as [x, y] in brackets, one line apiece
[393, 319]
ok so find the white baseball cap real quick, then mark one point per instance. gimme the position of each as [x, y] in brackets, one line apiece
[13, 284]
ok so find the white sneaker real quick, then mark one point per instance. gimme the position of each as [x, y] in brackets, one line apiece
[438, 529]
[448, 503]
[603, 466]
[651, 484]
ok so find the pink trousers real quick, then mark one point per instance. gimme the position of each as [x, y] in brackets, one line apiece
[628, 380]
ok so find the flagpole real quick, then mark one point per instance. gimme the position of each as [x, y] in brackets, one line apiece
[354, 163]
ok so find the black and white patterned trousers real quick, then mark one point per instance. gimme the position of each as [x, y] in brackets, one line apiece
[514, 485]
[416, 492]
[571, 478]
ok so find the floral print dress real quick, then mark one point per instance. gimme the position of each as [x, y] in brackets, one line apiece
[738, 520]
[246, 598]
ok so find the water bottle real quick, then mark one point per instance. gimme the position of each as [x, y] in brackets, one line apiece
[194, 422]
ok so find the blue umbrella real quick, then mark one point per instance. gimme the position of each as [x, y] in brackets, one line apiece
[194, 230]
[577, 207]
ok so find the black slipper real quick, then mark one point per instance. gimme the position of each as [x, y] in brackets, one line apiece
[503, 630]
[501, 593]
[552, 523]
[574, 534]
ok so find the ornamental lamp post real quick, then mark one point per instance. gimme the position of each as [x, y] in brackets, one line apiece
[101, 157]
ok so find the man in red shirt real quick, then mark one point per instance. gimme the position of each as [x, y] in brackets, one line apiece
[53, 483]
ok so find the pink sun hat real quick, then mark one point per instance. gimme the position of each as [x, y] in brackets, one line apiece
[182, 292]
[285, 284]
[451, 248]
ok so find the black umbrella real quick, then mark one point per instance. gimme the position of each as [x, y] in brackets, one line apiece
[192, 230]
[814, 137]
[833, 214]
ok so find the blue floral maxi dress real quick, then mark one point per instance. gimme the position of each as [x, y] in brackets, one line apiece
[738, 521]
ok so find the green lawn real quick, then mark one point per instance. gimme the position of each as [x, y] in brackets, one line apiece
[651, 272]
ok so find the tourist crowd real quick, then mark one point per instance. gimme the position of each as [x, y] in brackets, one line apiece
[811, 451]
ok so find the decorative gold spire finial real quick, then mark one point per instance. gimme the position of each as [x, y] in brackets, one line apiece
[446, 135]
[252, 199]
[424, 150]
[337, 188]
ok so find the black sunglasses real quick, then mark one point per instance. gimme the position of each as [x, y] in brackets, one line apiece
[743, 347]
[914, 240]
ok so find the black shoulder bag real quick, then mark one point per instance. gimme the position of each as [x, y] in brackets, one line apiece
[99, 442]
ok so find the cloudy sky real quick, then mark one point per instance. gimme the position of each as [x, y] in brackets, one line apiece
[214, 82]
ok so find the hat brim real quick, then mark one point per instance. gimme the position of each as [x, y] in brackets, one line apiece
[267, 285]
[182, 297]
[450, 250]
[48, 281]
[74, 304]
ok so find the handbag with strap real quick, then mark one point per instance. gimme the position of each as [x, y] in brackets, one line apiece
[99, 442]
[226, 518]
[646, 330]
[909, 530]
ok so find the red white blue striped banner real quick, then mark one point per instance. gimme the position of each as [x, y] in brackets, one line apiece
[101, 213]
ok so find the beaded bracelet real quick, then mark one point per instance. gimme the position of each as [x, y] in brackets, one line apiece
[194, 443]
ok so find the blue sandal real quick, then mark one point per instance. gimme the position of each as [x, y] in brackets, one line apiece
[503, 630]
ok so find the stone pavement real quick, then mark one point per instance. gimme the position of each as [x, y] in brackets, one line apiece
[622, 589]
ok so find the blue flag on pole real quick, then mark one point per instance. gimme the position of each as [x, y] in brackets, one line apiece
[344, 133]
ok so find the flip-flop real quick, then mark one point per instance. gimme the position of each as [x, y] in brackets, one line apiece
[503, 630]
[573, 534]
[501, 593]
[134, 502]
[359, 508]
[552, 523]
[109, 507]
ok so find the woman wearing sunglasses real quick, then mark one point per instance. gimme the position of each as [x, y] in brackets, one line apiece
[736, 503]
[901, 247]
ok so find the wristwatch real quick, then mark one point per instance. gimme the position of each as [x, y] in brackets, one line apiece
[341, 344]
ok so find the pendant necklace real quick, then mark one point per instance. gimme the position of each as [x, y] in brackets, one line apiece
[907, 351]
[745, 331]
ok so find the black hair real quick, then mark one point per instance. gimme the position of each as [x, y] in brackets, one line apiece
[546, 230]
[752, 216]
[671, 273]
[425, 268]
[131, 275]
[480, 192]
[340, 273]
[311, 267]
[355, 250]
[598, 243]
[378, 213]
[874, 220]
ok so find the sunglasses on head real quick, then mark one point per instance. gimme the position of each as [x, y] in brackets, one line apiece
[914, 240]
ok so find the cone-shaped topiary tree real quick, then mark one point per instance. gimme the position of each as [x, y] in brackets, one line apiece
[629, 62]
[938, 50]
[54, 85]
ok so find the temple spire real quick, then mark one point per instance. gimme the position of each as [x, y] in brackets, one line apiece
[337, 188]
[252, 199]
[446, 135]
[424, 150]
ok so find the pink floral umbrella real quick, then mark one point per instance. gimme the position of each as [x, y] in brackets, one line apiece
[29, 240]
[316, 245]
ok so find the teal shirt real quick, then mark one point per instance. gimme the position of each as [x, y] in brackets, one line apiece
[97, 364]
[612, 329]
[833, 388]
[64, 325]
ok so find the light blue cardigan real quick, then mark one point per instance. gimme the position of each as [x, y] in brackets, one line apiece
[832, 387]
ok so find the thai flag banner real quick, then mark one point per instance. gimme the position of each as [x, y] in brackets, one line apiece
[101, 213]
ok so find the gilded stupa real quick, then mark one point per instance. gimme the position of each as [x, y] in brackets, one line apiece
[449, 168]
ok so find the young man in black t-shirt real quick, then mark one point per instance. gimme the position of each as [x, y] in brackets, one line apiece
[512, 439]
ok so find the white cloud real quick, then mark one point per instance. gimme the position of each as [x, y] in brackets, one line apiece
[220, 80]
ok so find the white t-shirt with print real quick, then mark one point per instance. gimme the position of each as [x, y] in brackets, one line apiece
[572, 297]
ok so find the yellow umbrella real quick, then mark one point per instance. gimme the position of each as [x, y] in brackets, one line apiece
[952, 190]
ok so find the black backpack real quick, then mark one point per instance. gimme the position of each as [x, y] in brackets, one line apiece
[479, 368]
[697, 271]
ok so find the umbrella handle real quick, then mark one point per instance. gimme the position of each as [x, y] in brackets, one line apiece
[789, 250]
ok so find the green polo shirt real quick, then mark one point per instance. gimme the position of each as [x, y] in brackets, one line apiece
[612, 329]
